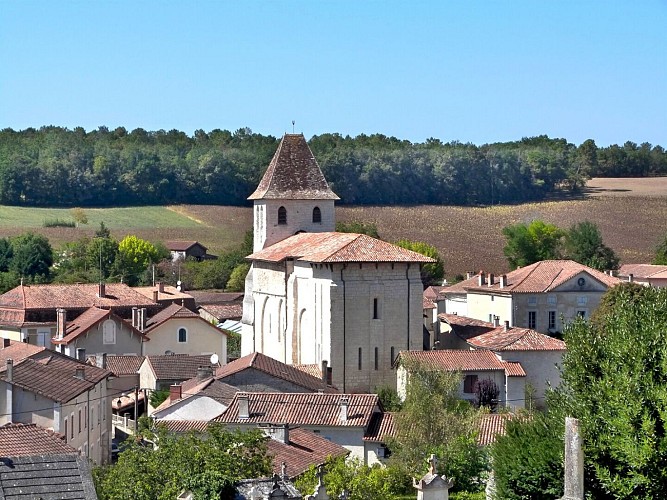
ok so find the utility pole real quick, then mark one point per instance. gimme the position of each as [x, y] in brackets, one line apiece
[136, 410]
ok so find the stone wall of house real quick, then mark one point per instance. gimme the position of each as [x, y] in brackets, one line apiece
[252, 380]
[201, 338]
[125, 340]
[484, 306]
[541, 369]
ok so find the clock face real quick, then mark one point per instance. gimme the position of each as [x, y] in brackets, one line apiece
[581, 282]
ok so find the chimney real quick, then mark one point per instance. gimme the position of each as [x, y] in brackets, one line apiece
[281, 433]
[101, 360]
[507, 326]
[160, 287]
[344, 404]
[204, 372]
[503, 281]
[80, 373]
[480, 278]
[81, 354]
[175, 392]
[330, 376]
[244, 410]
[156, 295]
[492, 279]
[631, 277]
[469, 275]
[101, 293]
[61, 323]
[6, 343]
[496, 321]
[10, 370]
[325, 364]
[142, 319]
[135, 316]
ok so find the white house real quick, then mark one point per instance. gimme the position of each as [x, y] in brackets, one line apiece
[644, 274]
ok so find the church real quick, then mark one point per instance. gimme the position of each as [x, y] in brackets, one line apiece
[314, 296]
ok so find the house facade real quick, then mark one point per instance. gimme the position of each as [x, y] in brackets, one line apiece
[644, 274]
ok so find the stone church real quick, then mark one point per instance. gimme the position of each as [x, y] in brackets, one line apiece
[315, 296]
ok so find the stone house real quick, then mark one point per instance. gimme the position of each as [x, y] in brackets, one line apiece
[314, 295]
[644, 274]
[180, 250]
[40, 386]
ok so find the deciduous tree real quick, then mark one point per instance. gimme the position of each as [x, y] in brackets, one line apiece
[432, 273]
[583, 243]
[530, 243]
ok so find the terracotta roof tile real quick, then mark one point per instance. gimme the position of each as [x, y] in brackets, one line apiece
[461, 360]
[21, 440]
[203, 297]
[314, 370]
[305, 448]
[516, 339]
[466, 327]
[461, 287]
[382, 426]
[184, 425]
[87, 320]
[224, 311]
[181, 246]
[177, 366]
[492, 425]
[643, 271]
[302, 409]
[215, 389]
[168, 293]
[337, 247]
[123, 365]
[275, 368]
[293, 174]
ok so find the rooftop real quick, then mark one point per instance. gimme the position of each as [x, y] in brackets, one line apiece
[90, 318]
[168, 292]
[181, 246]
[382, 426]
[643, 271]
[21, 440]
[492, 425]
[177, 366]
[224, 311]
[122, 365]
[293, 174]
[336, 247]
[203, 297]
[516, 339]
[464, 361]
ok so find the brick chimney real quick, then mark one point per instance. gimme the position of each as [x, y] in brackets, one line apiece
[480, 278]
[175, 392]
[160, 287]
[61, 323]
[344, 405]
[244, 407]
[156, 295]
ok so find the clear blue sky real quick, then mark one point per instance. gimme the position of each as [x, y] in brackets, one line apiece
[473, 71]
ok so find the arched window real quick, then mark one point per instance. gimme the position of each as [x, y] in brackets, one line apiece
[182, 335]
[317, 215]
[282, 216]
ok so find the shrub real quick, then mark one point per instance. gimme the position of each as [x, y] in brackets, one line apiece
[58, 223]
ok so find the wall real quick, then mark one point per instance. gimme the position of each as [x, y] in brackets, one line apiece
[456, 304]
[482, 305]
[541, 368]
[126, 341]
[202, 338]
[252, 380]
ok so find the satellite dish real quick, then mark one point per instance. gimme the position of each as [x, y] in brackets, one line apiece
[214, 359]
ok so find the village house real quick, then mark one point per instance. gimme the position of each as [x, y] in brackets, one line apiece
[165, 295]
[474, 366]
[314, 295]
[40, 386]
[541, 296]
[28, 313]
[125, 370]
[181, 250]
[644, 274]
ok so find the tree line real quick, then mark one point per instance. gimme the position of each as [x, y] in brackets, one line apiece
[59, 167]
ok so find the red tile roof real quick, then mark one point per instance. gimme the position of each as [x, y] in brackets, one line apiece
[314, 370]
[181, 246]
[203, 297]
[382, 426]
[293, 174]
[177, 366]
[461, 287]
[305, 448]
[79, 296]
[22, 440]
[543, 276]
[276, 369]
[337, 247]
[492, 425]
[87, 320]
[516, 339]
[123, 365]
[215, 389]
[302, 409]
[224, 311]
[464, 361]
[168, 293]
[184, 425]
[466, 327]
[643, 271]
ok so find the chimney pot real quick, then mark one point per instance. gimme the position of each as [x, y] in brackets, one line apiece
[135, 316]
[480, 278]
[344, 404]
[496, 321]
[101, 360]
[10, 370]
[244, 407]
[101, 293]
[156, 295]
[6, 343]
[80, 373]
[468, 275]
[492, 279]
[631, 277]
[142, 319]
[175, 392]
[325, 364]
[507, 325]
[503, 281]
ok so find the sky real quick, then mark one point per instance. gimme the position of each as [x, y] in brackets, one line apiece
[471, 70]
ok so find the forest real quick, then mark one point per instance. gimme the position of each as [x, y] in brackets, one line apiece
[58, 167]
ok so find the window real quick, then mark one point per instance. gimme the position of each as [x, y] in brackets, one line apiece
[282, 216]
[552, 320]
[582, 301]
[376, 309]
[532, 319]
[532, 300]
[469, 384]
[392, 356]
[581, 314]
[109, 332]
[359, 361]
[317, 215]
[80, 426]
[551, 300]
[376, 358]
[71, 432]
[182, 335]
[65, 429]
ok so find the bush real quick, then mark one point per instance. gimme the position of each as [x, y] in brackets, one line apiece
[58, 223]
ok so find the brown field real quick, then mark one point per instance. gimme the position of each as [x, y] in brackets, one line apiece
[631, 214]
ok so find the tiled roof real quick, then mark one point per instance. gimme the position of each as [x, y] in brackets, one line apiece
[302, 409]
[215, 389]
[48, 373]
[79, 296]
[122, 401]
[171, 311]
[305, 448]
[293, 174]
[177, 366]
[87, 320]
[181, 246]
[224, 311]
[466, 327]
[12, 317]
[382, 426]
[46, 477]
[275, 368]
[20, 440]
[490, 426]
[464, 361]
[337, 247]
[544, 276]
[124, 365]
[203, 297]
[184, 425]
[314, 370]
[461, 287]
[168, 293]
[643, 271]
[516, 339]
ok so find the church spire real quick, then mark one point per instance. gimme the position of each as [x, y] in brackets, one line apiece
[293, 174]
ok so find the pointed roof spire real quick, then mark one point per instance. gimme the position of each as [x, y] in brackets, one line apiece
[293, 174]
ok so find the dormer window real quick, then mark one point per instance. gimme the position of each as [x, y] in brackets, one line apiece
[317, 215]
[282, 216]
